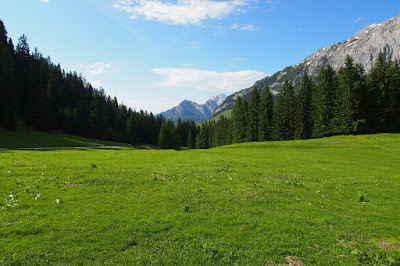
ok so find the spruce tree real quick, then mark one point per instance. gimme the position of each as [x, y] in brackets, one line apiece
[191, 144]
[203, 137]
[265, 115]
[229, 132]
[221, 131]
[162, 137]
[379, 84]
[350, 97]
[130, 126]
[98, 115]
[304, 121]
[395, 102]
[168, 137]
[239, 116]
[284, 113]
[7, 83]
[323, 102]
[173, 136]
[253, 116]
[202, 140]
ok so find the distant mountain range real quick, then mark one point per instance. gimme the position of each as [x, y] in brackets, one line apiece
[363, 47]
[188, 110]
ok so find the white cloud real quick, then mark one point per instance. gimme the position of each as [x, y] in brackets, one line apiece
[96, 83]
[245, 27]
[45, 1]
[205, 80]
[94, 69]
[235, 26]
[358, 19]
[184, 12]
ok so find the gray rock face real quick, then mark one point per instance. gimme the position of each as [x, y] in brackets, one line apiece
[188, 110]
[364, 47]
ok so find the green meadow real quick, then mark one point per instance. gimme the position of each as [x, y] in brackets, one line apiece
[314, 202]
[35, 139]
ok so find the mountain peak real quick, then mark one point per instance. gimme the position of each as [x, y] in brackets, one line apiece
[218, 99]
[364, 47]
[188, 110]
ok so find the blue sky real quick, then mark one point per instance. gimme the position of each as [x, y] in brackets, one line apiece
[152, 54]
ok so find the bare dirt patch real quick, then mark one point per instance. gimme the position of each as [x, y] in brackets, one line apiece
[387, 245]
[294, 261]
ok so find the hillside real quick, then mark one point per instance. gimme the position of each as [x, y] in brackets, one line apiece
[364, 47]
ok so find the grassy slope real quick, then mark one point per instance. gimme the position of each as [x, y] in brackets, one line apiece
[323, 201]
[227, 114]
[33, 139]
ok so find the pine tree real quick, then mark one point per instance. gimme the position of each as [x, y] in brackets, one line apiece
[98, 115]
[221, 131]
[3, 33]
[350, 97]
[284, 113]
[203, 138]
[7, 83]
[229, 132]
[395, 73]
[253, 116]
[190, 141]
[239, 116]
[182, 127]
[323, 102]
[304, 115]
[130, 127]
[265, 114]
[23, 78]
[168, 137]
[162, 138]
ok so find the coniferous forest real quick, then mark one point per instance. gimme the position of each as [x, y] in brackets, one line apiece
[347, 102]
[39, 94]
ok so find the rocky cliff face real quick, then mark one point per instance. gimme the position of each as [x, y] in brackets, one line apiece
[363, 47]
[188, 110]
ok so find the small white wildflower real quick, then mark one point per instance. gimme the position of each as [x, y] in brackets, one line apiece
[57, 201]
[9, 171]
[11, 196]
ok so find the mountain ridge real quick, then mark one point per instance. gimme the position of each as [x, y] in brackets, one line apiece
[363, 46]
[189, 110]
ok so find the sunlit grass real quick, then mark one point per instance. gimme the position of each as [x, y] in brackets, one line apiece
[323, 201]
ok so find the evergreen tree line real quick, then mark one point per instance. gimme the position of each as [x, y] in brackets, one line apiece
[36, 92]
[347, 102]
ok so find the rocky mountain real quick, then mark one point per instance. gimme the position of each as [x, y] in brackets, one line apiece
[363, 47]
[188, 110]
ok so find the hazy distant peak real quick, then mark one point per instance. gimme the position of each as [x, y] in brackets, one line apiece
[188, 110]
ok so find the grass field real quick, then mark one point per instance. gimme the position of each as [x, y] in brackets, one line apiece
[35, 139]
[325, 201]
[227, 114]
